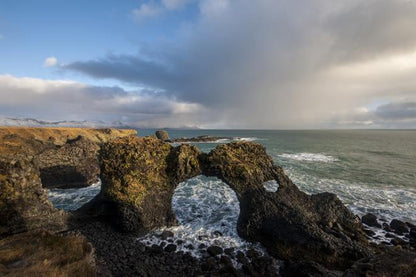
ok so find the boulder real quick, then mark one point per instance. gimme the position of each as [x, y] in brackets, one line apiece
[24, 204]
[162, 135]
[370, 220]
[399, 226]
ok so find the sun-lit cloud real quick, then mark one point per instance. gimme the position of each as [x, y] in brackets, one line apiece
[50, 62]
[60, 99]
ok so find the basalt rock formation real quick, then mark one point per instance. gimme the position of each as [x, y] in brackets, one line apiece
[66, 157]
[24, 204]
[139, 176]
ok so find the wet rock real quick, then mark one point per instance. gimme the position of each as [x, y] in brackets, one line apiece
[214, 250]
[397, 241]
[241, 258]
[370, 220]
[369, 232]
[252, 254]
[170, 248]
[202, 246]
[166, 234]
[386, 227]
[217, 233]
[229, 251]
[399, 227]
[162, 135]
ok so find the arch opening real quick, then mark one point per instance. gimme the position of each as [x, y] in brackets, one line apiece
[71, 199]
[207, 211]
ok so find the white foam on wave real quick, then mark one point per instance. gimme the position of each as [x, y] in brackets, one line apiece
[310, 157]
[246, 139]
[207, 211]
[387, 202]
[72, 199]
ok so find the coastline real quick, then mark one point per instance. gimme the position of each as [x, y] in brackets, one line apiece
[180, 163]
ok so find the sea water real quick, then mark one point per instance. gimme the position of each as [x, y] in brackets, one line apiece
[370, 171]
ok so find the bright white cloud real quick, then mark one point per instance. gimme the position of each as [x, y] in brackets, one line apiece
[50, 62]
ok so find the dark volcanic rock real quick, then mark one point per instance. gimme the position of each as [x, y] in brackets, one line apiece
[214, 250]
[170, 247]
[166, 234]
[24, 204]
[370, 220]
[399, 227]
[289, 223]
[393, 262]
[162, 135]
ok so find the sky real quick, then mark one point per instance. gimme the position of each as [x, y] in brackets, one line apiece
[265, 64]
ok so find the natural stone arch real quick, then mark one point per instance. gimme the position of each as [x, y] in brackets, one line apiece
[139, 176]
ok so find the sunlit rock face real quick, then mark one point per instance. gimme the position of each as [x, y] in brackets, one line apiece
[24, 204]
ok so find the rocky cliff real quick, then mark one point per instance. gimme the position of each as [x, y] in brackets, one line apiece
[65, 157]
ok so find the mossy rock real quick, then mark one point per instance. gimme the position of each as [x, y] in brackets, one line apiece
[139, 176]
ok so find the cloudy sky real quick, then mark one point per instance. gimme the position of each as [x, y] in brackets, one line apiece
[264, 64]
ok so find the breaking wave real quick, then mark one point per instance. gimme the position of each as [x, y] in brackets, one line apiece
[310, 157]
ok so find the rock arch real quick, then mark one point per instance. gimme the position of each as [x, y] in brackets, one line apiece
[139, 176]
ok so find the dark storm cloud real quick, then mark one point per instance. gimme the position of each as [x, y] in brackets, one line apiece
[397, 111]
[270, 64]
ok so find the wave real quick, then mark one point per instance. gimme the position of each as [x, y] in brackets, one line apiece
[271, 185]
[387, 202]
[310, 157]
[207, 211]
[72, 199]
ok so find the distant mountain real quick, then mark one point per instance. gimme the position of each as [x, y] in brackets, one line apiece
[10, 121]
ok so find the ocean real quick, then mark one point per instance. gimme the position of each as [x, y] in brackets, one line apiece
[369, 170]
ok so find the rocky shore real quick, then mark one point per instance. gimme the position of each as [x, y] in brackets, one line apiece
[164, 136]
[305, 235]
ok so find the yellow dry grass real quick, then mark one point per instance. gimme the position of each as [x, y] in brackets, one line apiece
[45, 254]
